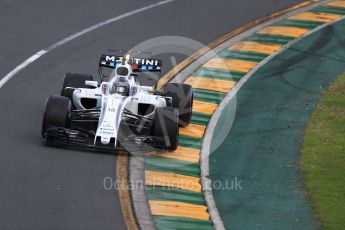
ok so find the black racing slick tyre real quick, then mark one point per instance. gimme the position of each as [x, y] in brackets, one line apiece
[182, 99]
[74, 80]
[165, 125]
[57, 113]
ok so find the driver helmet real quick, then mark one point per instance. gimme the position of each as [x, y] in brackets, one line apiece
[121, 76]
[121, 86]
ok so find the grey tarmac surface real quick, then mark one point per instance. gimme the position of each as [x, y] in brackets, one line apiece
[54, 188]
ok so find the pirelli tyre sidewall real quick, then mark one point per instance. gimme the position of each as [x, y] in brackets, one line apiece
[165, 125]
[182, 99]
[57, 113]
[74, 80]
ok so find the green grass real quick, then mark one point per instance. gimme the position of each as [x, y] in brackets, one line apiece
[323, 157]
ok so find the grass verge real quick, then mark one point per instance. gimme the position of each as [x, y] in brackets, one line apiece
[323, 157]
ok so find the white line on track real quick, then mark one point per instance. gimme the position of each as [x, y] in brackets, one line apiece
[40, 53]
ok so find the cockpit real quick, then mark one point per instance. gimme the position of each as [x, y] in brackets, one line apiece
[122, 81]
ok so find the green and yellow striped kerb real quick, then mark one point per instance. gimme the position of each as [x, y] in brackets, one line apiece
[173, 179]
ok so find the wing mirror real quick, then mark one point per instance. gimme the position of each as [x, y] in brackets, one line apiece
[92, 83]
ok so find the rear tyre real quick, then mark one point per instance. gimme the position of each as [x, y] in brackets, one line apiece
[57, 113]
[182, 99]
[165, 125]
[74, 80]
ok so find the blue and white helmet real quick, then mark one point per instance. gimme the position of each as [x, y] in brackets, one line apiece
[121, 80]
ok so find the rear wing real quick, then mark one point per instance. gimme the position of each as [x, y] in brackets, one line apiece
[137, 64]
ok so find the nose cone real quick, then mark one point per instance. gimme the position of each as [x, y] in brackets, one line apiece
[105, 140]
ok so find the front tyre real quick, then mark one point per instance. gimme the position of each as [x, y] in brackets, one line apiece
[165, 126]
[57, 113]
[182, 99]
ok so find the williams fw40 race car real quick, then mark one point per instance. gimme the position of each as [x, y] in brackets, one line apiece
[120, 111]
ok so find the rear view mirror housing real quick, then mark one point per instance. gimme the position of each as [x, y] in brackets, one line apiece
[92, 83]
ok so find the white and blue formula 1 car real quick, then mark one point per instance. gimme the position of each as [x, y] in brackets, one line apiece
[118, 111]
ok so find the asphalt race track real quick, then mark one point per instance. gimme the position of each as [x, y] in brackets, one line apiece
[52, 188]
